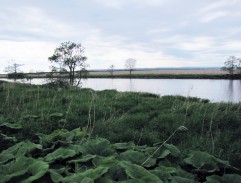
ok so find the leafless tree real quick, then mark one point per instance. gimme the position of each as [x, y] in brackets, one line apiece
[230, 65]
[130, 64]
[111, 69]
[13, 68]
[14, 71]
[239, 65]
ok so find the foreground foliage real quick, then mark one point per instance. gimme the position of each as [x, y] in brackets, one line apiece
[33, 117]
[72, 156]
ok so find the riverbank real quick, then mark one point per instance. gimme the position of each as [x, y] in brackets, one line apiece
[151, 74]
[174, 71]
[167, 74]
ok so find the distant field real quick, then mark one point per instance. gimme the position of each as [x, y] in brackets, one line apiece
[145, 72]
[3, 76]
[176, 71]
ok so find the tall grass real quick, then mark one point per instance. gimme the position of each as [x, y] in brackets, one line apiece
[120, 117]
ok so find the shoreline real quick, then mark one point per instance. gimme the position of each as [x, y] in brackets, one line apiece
[151, 74]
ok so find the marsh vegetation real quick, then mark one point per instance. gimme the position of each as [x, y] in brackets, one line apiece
[64, 131]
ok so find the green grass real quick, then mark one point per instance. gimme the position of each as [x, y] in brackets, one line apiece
[143, 118]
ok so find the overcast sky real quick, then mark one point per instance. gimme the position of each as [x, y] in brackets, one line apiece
[157, 33]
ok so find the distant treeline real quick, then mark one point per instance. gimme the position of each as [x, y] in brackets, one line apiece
[122, 75]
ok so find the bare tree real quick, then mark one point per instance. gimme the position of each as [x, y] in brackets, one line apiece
[130, 64]
[67, 59]
[230, 65]
[13, 68]
[14, 71]
[239, 65]
[111, 69]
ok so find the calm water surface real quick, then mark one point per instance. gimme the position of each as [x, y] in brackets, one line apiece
[214, 90]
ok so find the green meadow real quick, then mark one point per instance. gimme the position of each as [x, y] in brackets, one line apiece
[61, 134]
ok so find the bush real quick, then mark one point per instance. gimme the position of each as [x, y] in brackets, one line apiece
[16, 76]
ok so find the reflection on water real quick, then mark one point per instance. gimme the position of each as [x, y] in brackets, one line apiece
[230, 90]
[214, 90]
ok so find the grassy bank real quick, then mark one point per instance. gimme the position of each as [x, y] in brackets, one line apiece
[141, 118]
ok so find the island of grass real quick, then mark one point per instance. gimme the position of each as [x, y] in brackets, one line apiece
[71, 134]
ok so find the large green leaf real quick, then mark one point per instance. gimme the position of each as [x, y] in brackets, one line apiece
[205, 161]
[149, 151]
[115, 172]
[62, 138]
[182, 173]
[62, 135]
[227, 178]
[19, 149]
[173, 149]
[10, 127]
[5, 157]
[123, 146]
[83, 159]
[55, 175]
[79, 134]
[14, 168]
[101, 147]
[104, 161]
[37, 170]
[60, 154]
[104, 180]
[87, 180]
[34, 169]
[132, 181]
[27, 148]
[139, 173]
[177, 179]
[164, 153]
[137, 158]
[90, 173]
[79, 148]
[164, 173]
[6, 138]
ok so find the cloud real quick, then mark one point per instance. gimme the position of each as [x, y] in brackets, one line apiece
[212, 16]
[152, 2]
[26, 20]
[119, 4]
[196, 44]
[233, 45]
[32, 54]
[219, 9]
[158, 30]
[214, 6]
[157, 33]
[113, 3]
[102, 54]
[34, 23]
